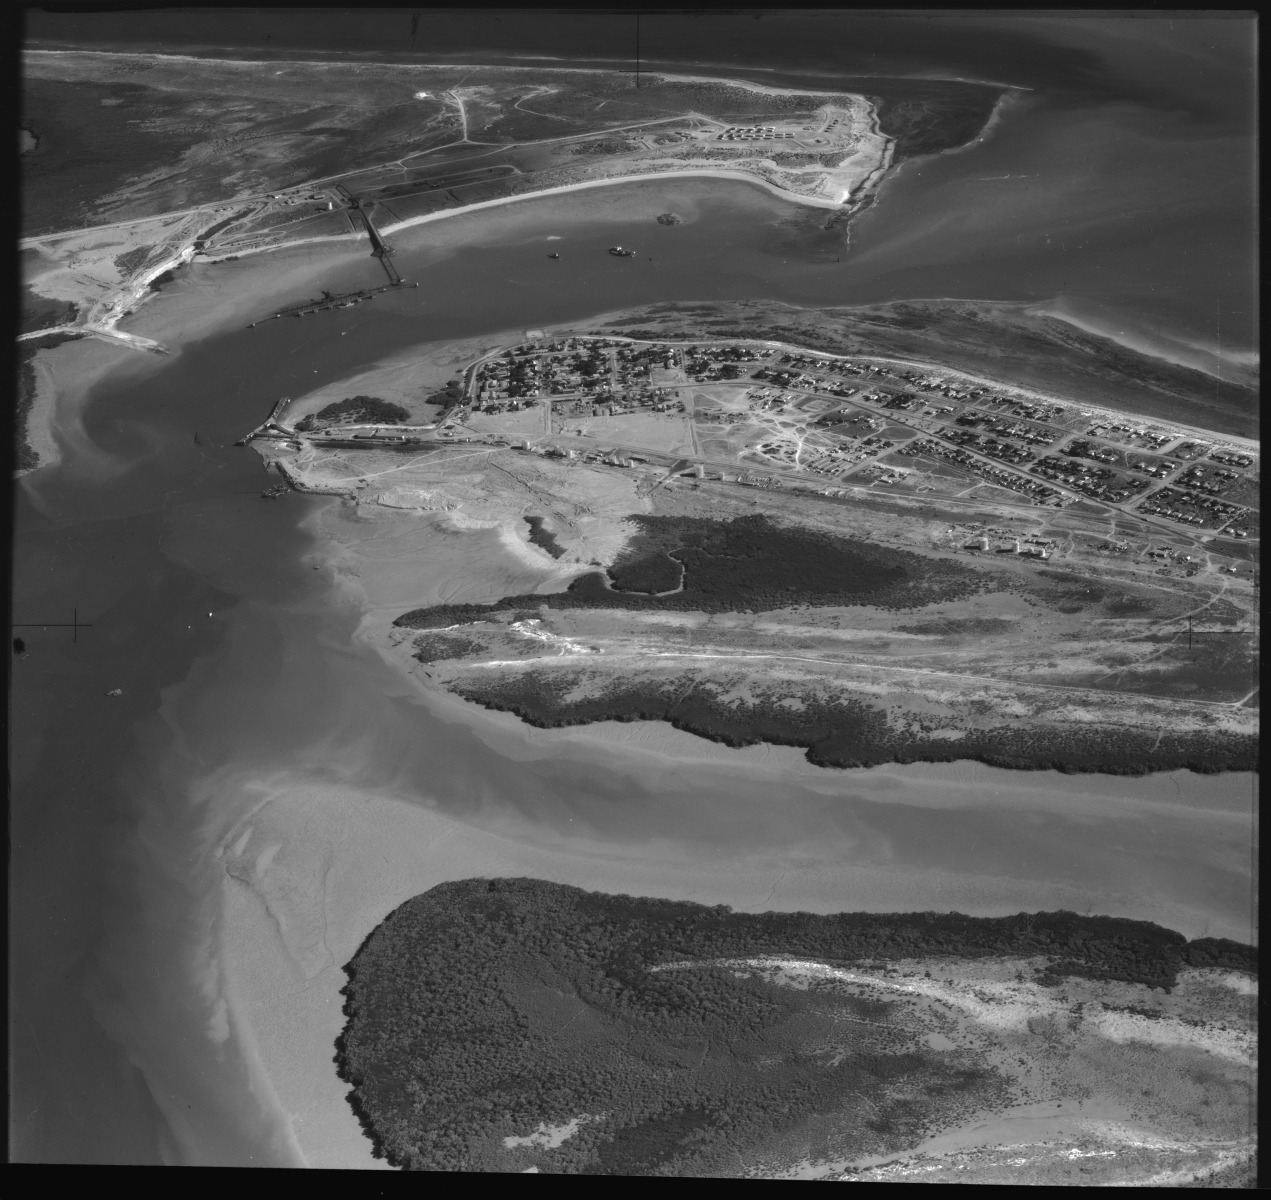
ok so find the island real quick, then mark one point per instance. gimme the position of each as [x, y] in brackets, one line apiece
[518, 1025]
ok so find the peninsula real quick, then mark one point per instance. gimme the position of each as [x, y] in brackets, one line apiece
[240, 157]
[874, 558]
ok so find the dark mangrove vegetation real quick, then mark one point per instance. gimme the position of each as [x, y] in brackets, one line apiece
[942, 115]
[37, 312]
[543, 538]
[362, 410]
[434, 647]
[486, 1010]
[746, 564]
[846, 733]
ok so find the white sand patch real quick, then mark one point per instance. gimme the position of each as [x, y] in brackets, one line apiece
[1006, 1007]
[548, 1137]
[1228, 979]
[528, 553]
[534, 631]
[1239, 1046]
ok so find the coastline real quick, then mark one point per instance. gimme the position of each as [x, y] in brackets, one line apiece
[537, 59]
[1208, 362]
[428, 218]
[598, 323]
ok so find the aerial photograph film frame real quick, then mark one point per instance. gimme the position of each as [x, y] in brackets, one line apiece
[749, 667]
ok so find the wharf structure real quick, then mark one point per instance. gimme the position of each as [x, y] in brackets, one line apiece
[379, 247]
[328, 301]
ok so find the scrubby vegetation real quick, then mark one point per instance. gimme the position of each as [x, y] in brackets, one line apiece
[930, 124]
[39, 312]
[746, 564]
[847, 733]
[486, 1009]
[133, 260]
[434, 647]
[365, 410]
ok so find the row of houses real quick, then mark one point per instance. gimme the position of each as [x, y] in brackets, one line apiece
[992, 446]
[1232, 458]
[1120, 431]
[751, 133]
[1188, 509]
[1002, 478]
[1099, 483]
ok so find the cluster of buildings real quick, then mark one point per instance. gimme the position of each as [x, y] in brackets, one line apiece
[979, 422]
[634, 364]
[707, 363]
[1134, 435]
[558, 369]
[1188, 508]
[1080, 448]
[1153, 468]
[751, 133]
[1231, 458]
[987, 444]
[1099, 483]
[1211, 480]
[1189, 451]
[1035, 435]
[1002, 478]
[1026, 547]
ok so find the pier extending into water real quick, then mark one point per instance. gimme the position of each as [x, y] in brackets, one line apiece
[380, 248]
[269, 426]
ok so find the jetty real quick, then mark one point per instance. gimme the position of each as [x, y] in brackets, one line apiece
[379, 247]
[270, 427]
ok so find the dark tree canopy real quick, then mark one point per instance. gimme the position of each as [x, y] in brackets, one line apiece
[363, 410]
[486, 1008]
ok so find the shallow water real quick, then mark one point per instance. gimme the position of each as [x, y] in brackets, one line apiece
[237, 660]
